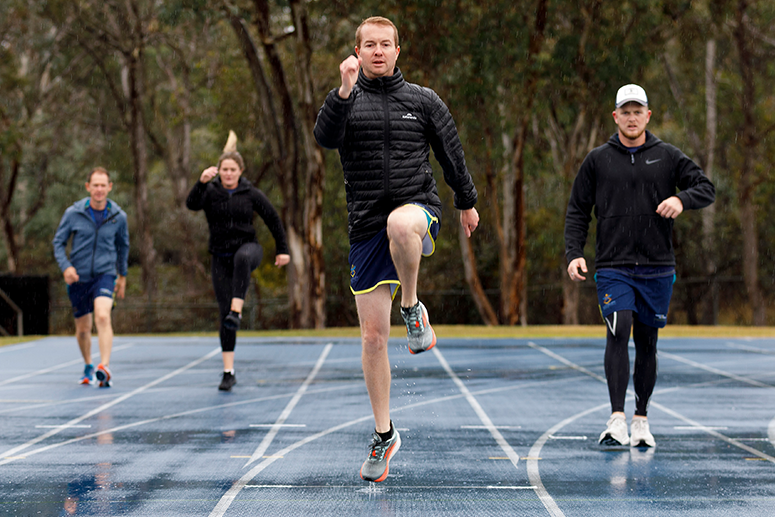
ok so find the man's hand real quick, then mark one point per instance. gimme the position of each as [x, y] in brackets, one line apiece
[469, 220]
[282, 259]
[348, 69]
[120, 287]
[208, 174]
[71, 275]
[671, 207]
[573, 269]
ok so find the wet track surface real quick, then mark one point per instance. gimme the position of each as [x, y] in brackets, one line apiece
[489, 427]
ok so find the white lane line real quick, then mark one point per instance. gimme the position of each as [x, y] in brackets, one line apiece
[485, 427]
[715, 370]
[267, 441]
[238, 485]
[63, 426]
[13, 452]
[711, 431]
[399, 487]
[57, 367]
[13, 348]
[276, 425]
[35, 404]
[513, 456]
[703, 427]
[168, 417]
[553, 437]
[748, 348]
[566, 362]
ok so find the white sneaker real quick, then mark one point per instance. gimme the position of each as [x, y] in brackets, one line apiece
[641, 436]
[616, 431]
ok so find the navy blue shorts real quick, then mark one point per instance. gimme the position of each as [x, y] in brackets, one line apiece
[371, 264]
[644, 290]
[82, 294]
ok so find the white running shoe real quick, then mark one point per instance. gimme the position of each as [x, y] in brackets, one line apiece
[641, 436]
[616, 431]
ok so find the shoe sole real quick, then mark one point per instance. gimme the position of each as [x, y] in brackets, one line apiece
[642, 443]
[391, 452]
[612, 442]
[85, 381]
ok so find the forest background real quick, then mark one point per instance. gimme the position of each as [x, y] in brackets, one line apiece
[150, 89]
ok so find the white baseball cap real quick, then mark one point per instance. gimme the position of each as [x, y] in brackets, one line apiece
[631, 93]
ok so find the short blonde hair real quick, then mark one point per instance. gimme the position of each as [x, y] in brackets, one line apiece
[375, 20]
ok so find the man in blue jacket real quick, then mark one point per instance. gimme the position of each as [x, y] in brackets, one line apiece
[384, 129]
[637, 185]
[96, 270]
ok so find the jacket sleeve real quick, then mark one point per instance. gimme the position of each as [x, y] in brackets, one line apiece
[61, 237]
[332, 119]
[195, 199]
[696, 190]
[263, 207]
[448, 150]
[579, 214]
[122, 247]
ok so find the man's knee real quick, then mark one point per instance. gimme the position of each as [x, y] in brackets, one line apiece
[404, 223]
[374, 341]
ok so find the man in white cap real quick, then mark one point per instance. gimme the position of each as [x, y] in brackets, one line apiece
[637, 185]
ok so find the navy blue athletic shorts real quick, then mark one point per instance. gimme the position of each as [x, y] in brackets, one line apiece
[371, 264]
[82, 294]
[644, 290]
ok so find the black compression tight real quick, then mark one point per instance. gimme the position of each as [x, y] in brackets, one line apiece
[617, 360]
[231, 279]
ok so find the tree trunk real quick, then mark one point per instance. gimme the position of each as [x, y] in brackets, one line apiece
[747, 185]
[515, 275]
[710, 312]
[472, 278]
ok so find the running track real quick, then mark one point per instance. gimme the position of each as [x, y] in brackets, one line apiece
[489, 427]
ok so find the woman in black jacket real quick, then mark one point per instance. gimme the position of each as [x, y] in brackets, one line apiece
[229, 202]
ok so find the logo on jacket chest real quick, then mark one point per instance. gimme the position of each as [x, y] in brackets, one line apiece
[409, 116]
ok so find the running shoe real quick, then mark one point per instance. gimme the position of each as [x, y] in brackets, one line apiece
[227, 382]
[376, 467]
[616, 431]
[418, 330]
[232, 320]
[88, 374]
[640, 434]
[103, 375]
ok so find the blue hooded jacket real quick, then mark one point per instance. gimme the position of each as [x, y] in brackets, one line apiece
[95, 251]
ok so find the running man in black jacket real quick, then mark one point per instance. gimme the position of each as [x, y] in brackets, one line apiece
[631, 183]
[384, 129]
[230, 202]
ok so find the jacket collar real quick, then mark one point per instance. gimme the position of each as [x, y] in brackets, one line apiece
[380, 84]
[651, 141]
[87, 204]
[244, 184]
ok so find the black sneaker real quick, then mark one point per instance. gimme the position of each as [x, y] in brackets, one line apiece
[375, 468]
[232, 320]
[227, 382]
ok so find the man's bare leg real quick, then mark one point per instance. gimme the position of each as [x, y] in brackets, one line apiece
[374, 316]
[406, 227]
[83, 326]
[102, 320]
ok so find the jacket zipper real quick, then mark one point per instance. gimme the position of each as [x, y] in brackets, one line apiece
[386, 151]
[96, 235]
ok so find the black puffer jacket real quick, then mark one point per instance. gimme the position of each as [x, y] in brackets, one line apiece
[230, 216]
[625, 190]
[384, 131]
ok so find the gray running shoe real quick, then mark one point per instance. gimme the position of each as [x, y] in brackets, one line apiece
[616, 431]
[375, 468]
[418, 329]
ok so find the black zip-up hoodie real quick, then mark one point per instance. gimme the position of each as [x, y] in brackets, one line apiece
[230, 216]
[384, 132]
[625, 189]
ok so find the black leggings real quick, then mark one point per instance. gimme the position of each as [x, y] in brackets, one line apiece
[617, 360]
[231, 279]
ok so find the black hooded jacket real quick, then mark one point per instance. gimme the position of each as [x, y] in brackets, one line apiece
[230, 216]
[625, 190]
[384, 132]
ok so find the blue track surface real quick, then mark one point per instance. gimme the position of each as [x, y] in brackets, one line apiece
[489, 427]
